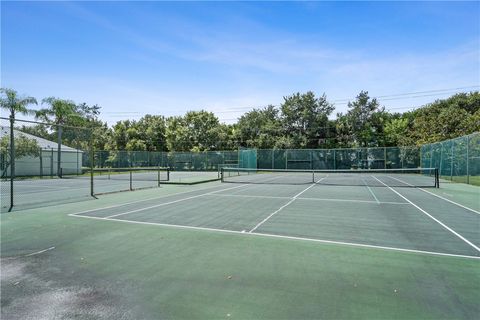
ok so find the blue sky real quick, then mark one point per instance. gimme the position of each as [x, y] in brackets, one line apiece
[166, 58]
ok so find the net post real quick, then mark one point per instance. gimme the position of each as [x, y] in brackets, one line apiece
[131, 177]
[313, 176]
[158, 176]
[437, 180]
[222, 172]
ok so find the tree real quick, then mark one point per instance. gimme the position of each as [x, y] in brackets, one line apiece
[60, 112]
[396, 132]
[259, 128]
[86, 129]
[152, 131]
[305, 119]
[362, 125]
[196, 131]
[447, 118]
[38, 130]
[14, 104]
[226, 139]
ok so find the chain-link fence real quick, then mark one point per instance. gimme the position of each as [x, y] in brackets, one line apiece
[457, 159]
[175, 161]
[42, 154]
[52, 163]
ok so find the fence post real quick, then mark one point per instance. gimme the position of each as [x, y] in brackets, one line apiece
[384, 157]
[311, 160]
[92, 159]
[51, 162]
[468, 160]
[441, 157]
[451, 162]
[286, 158]
[12, 159]
[334, 159]
[431, 156]
[41, 163]
[273, 158]
[59, 152]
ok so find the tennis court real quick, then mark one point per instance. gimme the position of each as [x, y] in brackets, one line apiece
[382, 210]
[259, 244]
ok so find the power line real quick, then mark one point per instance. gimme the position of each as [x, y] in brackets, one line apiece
[389, 97]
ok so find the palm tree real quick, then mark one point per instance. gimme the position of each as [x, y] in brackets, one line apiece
[14, 104]
[58, 113]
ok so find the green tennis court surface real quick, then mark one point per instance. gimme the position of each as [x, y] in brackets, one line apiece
[251, 249]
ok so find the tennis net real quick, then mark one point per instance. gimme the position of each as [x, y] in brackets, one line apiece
[139, 174]
[134, 174]
[419, 177]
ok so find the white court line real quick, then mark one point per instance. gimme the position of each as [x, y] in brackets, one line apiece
[38, 252]
[281, 208]
[143, 200]
[171, 202]
[369, 189]
[436, 195]
[351, 244]
[433, 218]
[307, 199]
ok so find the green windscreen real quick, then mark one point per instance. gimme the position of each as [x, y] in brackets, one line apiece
[247, 158]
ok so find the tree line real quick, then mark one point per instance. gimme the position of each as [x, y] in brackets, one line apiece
[302, 120]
